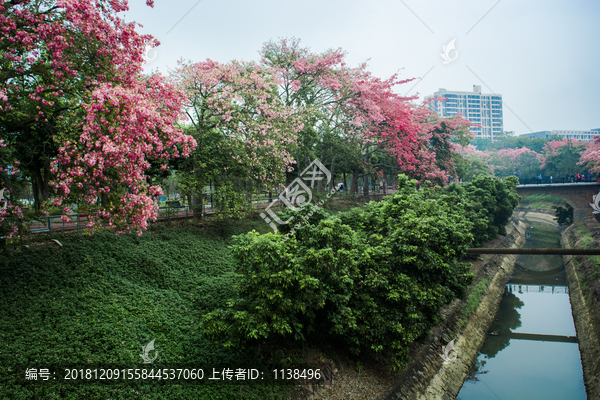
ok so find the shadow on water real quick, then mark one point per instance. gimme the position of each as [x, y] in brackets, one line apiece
[507, 318]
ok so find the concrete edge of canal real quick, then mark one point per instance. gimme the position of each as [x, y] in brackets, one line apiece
[586, 324]
[435, 380]
[447, 379]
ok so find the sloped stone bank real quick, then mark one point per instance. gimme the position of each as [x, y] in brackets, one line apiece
[585, 315]
[428, 378]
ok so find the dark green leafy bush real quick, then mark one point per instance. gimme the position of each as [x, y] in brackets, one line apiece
[373, 278]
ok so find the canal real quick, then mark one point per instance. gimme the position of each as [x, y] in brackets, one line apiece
[531, 350]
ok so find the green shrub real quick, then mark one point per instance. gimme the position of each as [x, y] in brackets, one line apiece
[564, 215]
[488, 203]
[309, 214]
[375, 285]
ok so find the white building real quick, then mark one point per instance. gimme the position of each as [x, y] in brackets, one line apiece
[483, 110]
[581, 136]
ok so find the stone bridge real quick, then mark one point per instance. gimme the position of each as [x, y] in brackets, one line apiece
[578, 195]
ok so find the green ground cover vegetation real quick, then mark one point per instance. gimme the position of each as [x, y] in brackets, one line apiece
[98, 299]
[474, 299]
[540, 200]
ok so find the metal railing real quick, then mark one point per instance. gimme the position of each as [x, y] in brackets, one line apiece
[553, 181]
[79, 221]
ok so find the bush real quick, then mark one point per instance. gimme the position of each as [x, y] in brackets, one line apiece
[488, 203]
[373, 278]
[309, 214]
[376, 282]
[564, 215]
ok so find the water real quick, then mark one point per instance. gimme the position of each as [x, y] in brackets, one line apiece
[531, 350]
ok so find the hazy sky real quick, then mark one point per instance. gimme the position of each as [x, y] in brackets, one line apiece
[543, 56]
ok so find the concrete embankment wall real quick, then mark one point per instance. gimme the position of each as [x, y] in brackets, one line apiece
[438, 381]
[585, 316]
[431, 379]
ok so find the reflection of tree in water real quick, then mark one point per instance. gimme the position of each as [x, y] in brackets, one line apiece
[475, 370]
[507, 319]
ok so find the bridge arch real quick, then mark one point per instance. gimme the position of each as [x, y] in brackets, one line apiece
[577, 195]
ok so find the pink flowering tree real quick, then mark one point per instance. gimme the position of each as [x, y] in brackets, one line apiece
[12, 220]
[77, 111]
[522, 161]
[313, 85]
[471, 162]
[340, 106]
[562, 157]
[358, 121]
[566, 156]
[104, 170]
[246, 134]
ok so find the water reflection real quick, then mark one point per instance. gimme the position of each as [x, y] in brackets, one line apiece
[507, 319]
[530, 352]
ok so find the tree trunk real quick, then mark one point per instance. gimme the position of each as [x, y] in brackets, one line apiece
[197, 198]
[332, 174]
[36, 194]
[41, 191]
[354, 188]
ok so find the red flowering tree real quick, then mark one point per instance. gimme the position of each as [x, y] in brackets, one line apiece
[75, 105]
[357, 119]
[440, 139]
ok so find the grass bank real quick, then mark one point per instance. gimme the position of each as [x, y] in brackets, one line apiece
[96, 300]
[539, 200]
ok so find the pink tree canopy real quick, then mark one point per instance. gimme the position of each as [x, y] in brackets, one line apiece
[74, 68]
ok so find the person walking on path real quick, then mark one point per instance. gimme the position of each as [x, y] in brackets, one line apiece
[551, 179]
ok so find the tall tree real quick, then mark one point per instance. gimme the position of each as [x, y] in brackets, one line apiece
[521, 161]
[246, 133]
[562, 157]
[72, 94]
